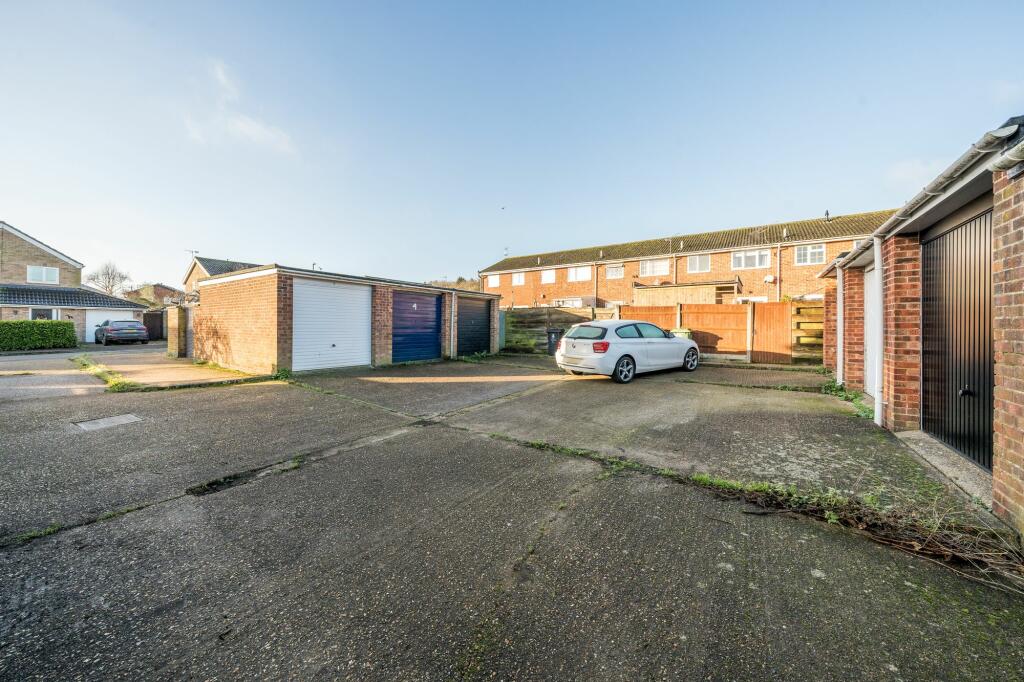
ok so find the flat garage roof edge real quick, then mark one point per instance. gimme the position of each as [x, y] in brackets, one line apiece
[265, 270]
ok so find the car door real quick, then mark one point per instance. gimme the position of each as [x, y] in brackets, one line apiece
[661, 352]
[629, 342]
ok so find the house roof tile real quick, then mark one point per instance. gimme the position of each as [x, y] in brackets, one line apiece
[216, 266]
[837, 227]
[60, 297]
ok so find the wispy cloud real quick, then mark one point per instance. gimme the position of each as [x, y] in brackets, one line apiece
[225, 121]
[911, 175]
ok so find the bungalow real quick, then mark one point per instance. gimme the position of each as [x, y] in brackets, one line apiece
[927, 316]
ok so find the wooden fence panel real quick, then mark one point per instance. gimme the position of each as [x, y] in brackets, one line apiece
[718, 328]
[773, 333]
[662, 315]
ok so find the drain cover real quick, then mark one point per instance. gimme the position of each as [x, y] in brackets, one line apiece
[107, 422]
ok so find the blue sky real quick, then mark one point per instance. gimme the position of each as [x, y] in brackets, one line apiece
[419, 140]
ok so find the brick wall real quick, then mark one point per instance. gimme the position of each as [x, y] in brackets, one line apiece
[853, 329]
[495, 332]
[13, 313]
[236, 324]
[380, 337]
[285, 320]
[796, 280]
[901, 367]
[76, 316]
[16, 255]
[175, 331]
[446, 327]
[829, 327]
[1008, 338]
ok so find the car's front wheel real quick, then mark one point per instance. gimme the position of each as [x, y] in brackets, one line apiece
[690, 360]
[625, 370]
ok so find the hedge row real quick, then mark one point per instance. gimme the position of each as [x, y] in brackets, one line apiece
[36, 334]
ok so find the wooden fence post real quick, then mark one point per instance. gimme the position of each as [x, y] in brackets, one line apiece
[679, 315]
[750, 331]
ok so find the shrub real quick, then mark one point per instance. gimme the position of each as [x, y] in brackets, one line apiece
[37, 334]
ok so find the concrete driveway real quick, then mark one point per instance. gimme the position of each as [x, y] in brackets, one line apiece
[329, 530]
[43, 376]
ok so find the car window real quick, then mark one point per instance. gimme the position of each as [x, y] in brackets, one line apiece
[105, 323]
[649, 331]
[126, 324]
[627, 332]
[585, 331]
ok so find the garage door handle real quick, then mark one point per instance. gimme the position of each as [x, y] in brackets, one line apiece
[965, 392]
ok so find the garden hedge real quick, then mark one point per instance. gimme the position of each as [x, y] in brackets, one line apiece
[37, 334]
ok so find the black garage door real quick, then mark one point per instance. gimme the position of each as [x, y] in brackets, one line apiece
[474, 315]
[957, 370]
[415, 327]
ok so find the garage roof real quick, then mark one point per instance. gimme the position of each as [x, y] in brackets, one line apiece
[60, 297]
[836, 227]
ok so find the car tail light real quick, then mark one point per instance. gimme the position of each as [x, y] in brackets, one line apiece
[601, 346]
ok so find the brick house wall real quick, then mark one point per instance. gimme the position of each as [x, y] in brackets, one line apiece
[77, 317]
[175, 331]
[236, 324]
[901, 321]
[1008, 342]
[796, 280]
[853, 328]
[16, 255]
[828, 338]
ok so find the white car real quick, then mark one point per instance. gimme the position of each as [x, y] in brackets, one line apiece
[622, 349]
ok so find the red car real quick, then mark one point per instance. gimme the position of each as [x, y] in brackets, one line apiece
[121, 331]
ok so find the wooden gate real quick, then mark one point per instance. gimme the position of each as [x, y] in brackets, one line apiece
[772, 334]
[718, 328]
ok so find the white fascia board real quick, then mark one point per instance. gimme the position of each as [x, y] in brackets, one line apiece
[234, 278]
[38, 244]
[962, 191]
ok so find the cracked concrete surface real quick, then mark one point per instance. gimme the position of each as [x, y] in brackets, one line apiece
[409, 548]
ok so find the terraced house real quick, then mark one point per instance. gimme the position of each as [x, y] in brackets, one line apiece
[762, 263]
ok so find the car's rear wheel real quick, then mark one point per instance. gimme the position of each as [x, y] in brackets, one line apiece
[573, 372]
[691, 360]
[106, 342]
[145, 342]
[625, 370]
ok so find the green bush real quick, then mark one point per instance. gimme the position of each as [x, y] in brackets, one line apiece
[37, 334]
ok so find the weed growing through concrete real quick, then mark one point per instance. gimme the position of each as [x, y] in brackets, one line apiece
[114, 381]
[36, 534]
[854, 397]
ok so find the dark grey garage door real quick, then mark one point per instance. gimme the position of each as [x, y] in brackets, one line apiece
[957, 370]
[415, 327]
[474, 315]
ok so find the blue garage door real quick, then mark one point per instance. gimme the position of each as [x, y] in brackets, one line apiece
[415, 327]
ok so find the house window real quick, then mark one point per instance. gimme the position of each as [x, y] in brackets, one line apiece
[701, 263]
[43, 314]
[579, 274]
[492, 281]
[37, 274]
[747, 260]
[547, 276]
[518, 279]
[614, 271]
[810, 254]
[654, 268]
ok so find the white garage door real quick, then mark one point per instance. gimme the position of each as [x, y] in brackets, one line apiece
[330, 324]
[101, 315]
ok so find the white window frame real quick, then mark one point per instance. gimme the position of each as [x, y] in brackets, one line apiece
[767, 253]
[44, 280]
[807, 250]
[548, 276]
[651, 268]
[751, 299]
[618, 268]
[580, 273]
[518, 279]
[493, 281]
[571, 302]
[689, 263]
[54, 312]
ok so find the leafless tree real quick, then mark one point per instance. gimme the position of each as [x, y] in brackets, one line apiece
[109, 278]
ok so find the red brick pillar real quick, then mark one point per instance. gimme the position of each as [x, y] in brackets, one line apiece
[285, 317]
[380, 319]
[901, 320]
[853, 329]
[447, 302]
[829, 326]
[176, 341]
[495, 332]
[1008, 338]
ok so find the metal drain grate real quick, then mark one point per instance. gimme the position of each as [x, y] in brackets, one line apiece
[107, 422]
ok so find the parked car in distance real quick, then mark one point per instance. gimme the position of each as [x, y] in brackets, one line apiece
[622, 349]
[121, 331]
